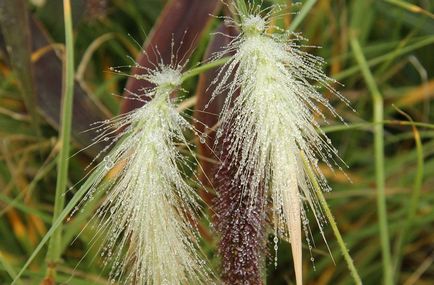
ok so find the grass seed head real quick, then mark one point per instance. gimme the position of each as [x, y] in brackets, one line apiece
[145, 223]
[272, 124]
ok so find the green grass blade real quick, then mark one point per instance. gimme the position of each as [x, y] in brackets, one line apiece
[332, 222]
[368, 125]
[377, 60]
[413, 202]
[72, 203]
[15, 203]
[411, 7]
[9, 269]
[379, 158]
[301, 15]
[54, 249]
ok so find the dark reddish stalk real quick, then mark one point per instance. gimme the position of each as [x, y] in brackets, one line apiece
[240, 224]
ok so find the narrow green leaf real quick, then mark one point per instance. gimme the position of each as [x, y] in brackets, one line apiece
[329, 215]
[58, 222]
[377, 102]
[55, 246]
[301, 15]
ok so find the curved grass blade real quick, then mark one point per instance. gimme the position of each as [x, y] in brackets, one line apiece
[55, 245]
[181, 23]
[61, 217]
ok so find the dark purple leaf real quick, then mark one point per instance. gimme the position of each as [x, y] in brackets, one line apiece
[181, 21]
[48, 72]
[239, 223]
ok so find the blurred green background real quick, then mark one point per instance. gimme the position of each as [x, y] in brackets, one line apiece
[380, 51]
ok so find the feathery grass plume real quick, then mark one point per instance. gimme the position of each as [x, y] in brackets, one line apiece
[146, 218]
[271, 124]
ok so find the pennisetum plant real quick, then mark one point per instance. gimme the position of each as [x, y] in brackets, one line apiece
[268, 145]
[146, 231]
[271, 137]
[265, 155]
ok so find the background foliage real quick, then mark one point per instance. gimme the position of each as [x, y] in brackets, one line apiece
[396, 39]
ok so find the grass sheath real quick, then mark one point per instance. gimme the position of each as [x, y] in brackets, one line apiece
[379, 158]
[331, 220]
[413, 203]
[54, 248]
[242, 228]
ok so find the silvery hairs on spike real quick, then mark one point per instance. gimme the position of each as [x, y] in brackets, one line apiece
[144, 226]
[273, 133]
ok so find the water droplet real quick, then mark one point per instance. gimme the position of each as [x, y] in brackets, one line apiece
[108, 163]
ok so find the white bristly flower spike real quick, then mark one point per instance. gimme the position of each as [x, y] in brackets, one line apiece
[272, 126]
[146, 221]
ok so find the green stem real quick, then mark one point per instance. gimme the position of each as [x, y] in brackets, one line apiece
[368, 125]
[332, 222]
[382, 58]
[58, 222]
[379, 158]
[202, 68]
[413, 203]
[301, 15]
[54, 248]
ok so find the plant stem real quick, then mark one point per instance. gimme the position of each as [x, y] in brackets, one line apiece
[368, 125]
[301, 15]
[54, 248]
[412, 204]
[379, 158]
[332, 222]
[58, 222]
[198, 70]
